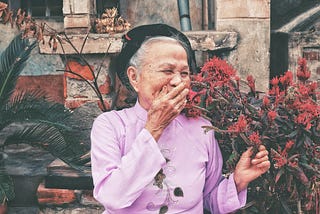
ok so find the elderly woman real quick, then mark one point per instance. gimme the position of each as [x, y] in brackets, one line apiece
[151, 158]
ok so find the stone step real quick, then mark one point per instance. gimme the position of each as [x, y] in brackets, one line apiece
[61, 176]
[67, 201]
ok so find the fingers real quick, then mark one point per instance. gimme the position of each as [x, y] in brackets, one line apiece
[261, 148]
[174, 99]
[162, 93]
[261, 159]
[261, 154]
[179, 92]
[248, 153]
[175, 96]
[181, 106]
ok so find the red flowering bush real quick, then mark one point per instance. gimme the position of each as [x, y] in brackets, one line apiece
[286, 120]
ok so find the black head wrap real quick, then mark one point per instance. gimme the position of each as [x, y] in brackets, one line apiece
[133, 39]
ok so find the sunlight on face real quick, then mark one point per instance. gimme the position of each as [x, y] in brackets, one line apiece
[166, 64]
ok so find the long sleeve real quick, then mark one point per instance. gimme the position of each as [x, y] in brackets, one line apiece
[121, 174]
[220, 194]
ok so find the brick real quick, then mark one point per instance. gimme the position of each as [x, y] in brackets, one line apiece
[55, 196]
[75, 103]
[3, 208]
[105, 88]
[82, 70]
[106, 104]
[311, 55]
[51, 85]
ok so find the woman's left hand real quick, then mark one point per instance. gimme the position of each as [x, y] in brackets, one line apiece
[249, 169]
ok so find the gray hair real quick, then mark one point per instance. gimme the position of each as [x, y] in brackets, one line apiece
[137, 59]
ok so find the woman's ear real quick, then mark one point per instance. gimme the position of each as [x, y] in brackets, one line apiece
[133, 77]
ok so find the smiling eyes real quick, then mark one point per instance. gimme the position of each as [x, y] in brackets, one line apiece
[170, 72]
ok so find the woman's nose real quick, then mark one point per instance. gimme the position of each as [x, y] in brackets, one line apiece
[176, 80]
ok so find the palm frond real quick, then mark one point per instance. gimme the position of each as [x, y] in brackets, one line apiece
[6, 187]
[12, 61]
[51, 139]
[33, 107]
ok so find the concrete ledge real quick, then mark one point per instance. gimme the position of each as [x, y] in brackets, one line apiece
[212, 40]
[95, 44]
[61, 176]
[99, 43]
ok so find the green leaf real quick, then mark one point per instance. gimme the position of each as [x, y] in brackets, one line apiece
[292, 134]
[51, 139]
[12, 61]
[178, 192]
[163, 209]
[299, 173]
[308, 167]
[285, 206]
[279, 174]
[6, 187]
[33, 107]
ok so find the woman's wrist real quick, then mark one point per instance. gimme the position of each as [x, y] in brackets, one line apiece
[240, 184]
[156, 133]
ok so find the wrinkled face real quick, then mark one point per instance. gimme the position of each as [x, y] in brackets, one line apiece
[166, 64]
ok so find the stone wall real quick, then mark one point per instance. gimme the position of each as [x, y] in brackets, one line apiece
[140, 12]
[305, 44]
[242, 34]
[251, 20]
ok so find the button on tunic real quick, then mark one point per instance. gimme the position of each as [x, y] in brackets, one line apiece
[126, 158]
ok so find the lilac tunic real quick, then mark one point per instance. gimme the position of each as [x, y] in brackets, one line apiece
[126, 158]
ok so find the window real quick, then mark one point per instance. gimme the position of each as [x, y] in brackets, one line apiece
[103, 4]
[38, 8]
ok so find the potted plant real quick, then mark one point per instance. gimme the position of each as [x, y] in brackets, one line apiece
[286, 120]
[30, 118]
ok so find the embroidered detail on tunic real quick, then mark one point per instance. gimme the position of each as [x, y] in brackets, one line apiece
[159, 181]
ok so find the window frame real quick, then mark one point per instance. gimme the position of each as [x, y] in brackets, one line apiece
[14, 5]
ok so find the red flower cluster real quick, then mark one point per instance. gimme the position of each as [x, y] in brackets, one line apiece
[239, 126]
[302, 72]
[286, 120]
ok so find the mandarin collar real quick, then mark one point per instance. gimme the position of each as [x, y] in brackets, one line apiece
[140, 111]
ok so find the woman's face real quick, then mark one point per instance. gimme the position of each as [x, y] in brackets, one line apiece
[166, 64]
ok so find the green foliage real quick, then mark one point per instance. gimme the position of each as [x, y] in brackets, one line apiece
[286, 121]
[42, 121]
[6, 190]
[12, 61]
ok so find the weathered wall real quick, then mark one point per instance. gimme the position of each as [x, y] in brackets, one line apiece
[37, 64]
[251, 19]
[297, 38]
[41, 71]
[305, 44]
[283, 11]
[140, 12]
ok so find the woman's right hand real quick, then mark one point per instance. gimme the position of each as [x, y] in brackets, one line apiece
[165, 107]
